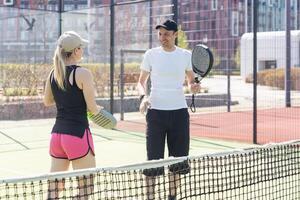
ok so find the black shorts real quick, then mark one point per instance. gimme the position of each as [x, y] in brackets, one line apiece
[172, 125]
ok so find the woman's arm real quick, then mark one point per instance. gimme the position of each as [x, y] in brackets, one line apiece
[84, 80]
[48, 96]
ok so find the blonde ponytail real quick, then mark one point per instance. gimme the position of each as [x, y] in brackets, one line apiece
[59, 59]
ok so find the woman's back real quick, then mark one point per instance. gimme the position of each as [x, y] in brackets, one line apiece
[71, 106]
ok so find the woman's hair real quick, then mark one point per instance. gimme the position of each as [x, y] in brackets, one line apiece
[59, 58]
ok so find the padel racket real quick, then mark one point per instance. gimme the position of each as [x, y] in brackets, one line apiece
[103, 119]
[202, 62]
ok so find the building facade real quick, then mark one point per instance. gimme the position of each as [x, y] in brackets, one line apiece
[28, 34]
[221, 24]
[270, 51]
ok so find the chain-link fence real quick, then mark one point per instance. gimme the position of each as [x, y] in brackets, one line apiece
[29, 30]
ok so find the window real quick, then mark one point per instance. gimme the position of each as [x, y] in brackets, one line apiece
[24, 35]
[205, 4]
[53, 7]
[241, 6]
[270, 64]
[234, 23]
[69, 7]
[8, 2]
[214, 4]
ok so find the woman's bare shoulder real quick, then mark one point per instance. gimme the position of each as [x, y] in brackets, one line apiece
[83, 72]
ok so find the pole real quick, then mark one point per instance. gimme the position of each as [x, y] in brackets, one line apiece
[288, 54]
[255, 3]
[122, 86]
[228, 59]
[175, 10]
[112, 54]
[175, 15]
[150, 23]
[60, 11]
[246, 16]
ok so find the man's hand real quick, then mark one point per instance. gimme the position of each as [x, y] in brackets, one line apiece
[145, 103]
[195, 88]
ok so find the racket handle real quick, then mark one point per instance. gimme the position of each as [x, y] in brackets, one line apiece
[197, 80]
[192, 106]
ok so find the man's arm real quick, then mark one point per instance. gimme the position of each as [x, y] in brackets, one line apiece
[142, 82]
[193, 86]
[142, 88]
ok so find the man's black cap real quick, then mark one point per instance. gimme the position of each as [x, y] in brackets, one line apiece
[169, 25]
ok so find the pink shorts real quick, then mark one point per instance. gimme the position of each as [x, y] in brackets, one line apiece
[71, 147]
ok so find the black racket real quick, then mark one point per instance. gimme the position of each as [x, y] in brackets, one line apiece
[202, 62]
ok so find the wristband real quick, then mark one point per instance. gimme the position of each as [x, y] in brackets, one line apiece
[142, 97]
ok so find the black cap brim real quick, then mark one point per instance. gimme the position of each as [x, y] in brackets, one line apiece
[165, 27]
[161, 26]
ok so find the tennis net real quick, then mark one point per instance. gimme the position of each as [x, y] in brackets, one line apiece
[266, 172]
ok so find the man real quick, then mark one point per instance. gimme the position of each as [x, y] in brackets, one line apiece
[167, 113]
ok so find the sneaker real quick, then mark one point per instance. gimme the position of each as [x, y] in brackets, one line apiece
[172, 197]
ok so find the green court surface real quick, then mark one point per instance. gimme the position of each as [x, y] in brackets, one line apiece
[24, 147]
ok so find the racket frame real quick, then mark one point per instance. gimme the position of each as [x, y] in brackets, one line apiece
[103, 119]
[199, 73]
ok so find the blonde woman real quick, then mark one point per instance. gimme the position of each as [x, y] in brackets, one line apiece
[70, 88]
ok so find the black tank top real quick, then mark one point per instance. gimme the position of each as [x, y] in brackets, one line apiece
[71, 108]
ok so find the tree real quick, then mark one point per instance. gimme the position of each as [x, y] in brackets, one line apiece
[182, 39]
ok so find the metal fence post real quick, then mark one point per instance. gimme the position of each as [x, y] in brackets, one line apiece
[288, 54]
[112, 54]
[255, 5]
[122, 86]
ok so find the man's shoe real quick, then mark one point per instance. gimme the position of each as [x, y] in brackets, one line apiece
[172, 197]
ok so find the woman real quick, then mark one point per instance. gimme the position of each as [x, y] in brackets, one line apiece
[70, 88]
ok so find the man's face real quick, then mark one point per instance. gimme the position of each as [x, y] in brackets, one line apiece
[166, 38]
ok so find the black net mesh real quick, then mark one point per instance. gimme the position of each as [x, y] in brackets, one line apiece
[269, 172]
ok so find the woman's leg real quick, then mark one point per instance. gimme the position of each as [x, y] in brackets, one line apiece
[85, 184]
[55, 186]
[87, 161]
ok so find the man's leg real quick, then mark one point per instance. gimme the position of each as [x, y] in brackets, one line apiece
[173, 184]
[155, 142]
[178, 138]
[150, 187]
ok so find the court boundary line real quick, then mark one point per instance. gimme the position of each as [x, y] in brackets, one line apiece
[16, 141]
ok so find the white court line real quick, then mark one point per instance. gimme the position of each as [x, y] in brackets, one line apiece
[3, 170]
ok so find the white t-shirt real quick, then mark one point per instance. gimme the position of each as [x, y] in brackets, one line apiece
[167, 73]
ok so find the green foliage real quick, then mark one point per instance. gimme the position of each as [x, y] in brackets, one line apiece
[182, 39]
[276, 78]
[237, 57]
[23, 79]
[217, 59]
[29, 79]
[20, 91]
